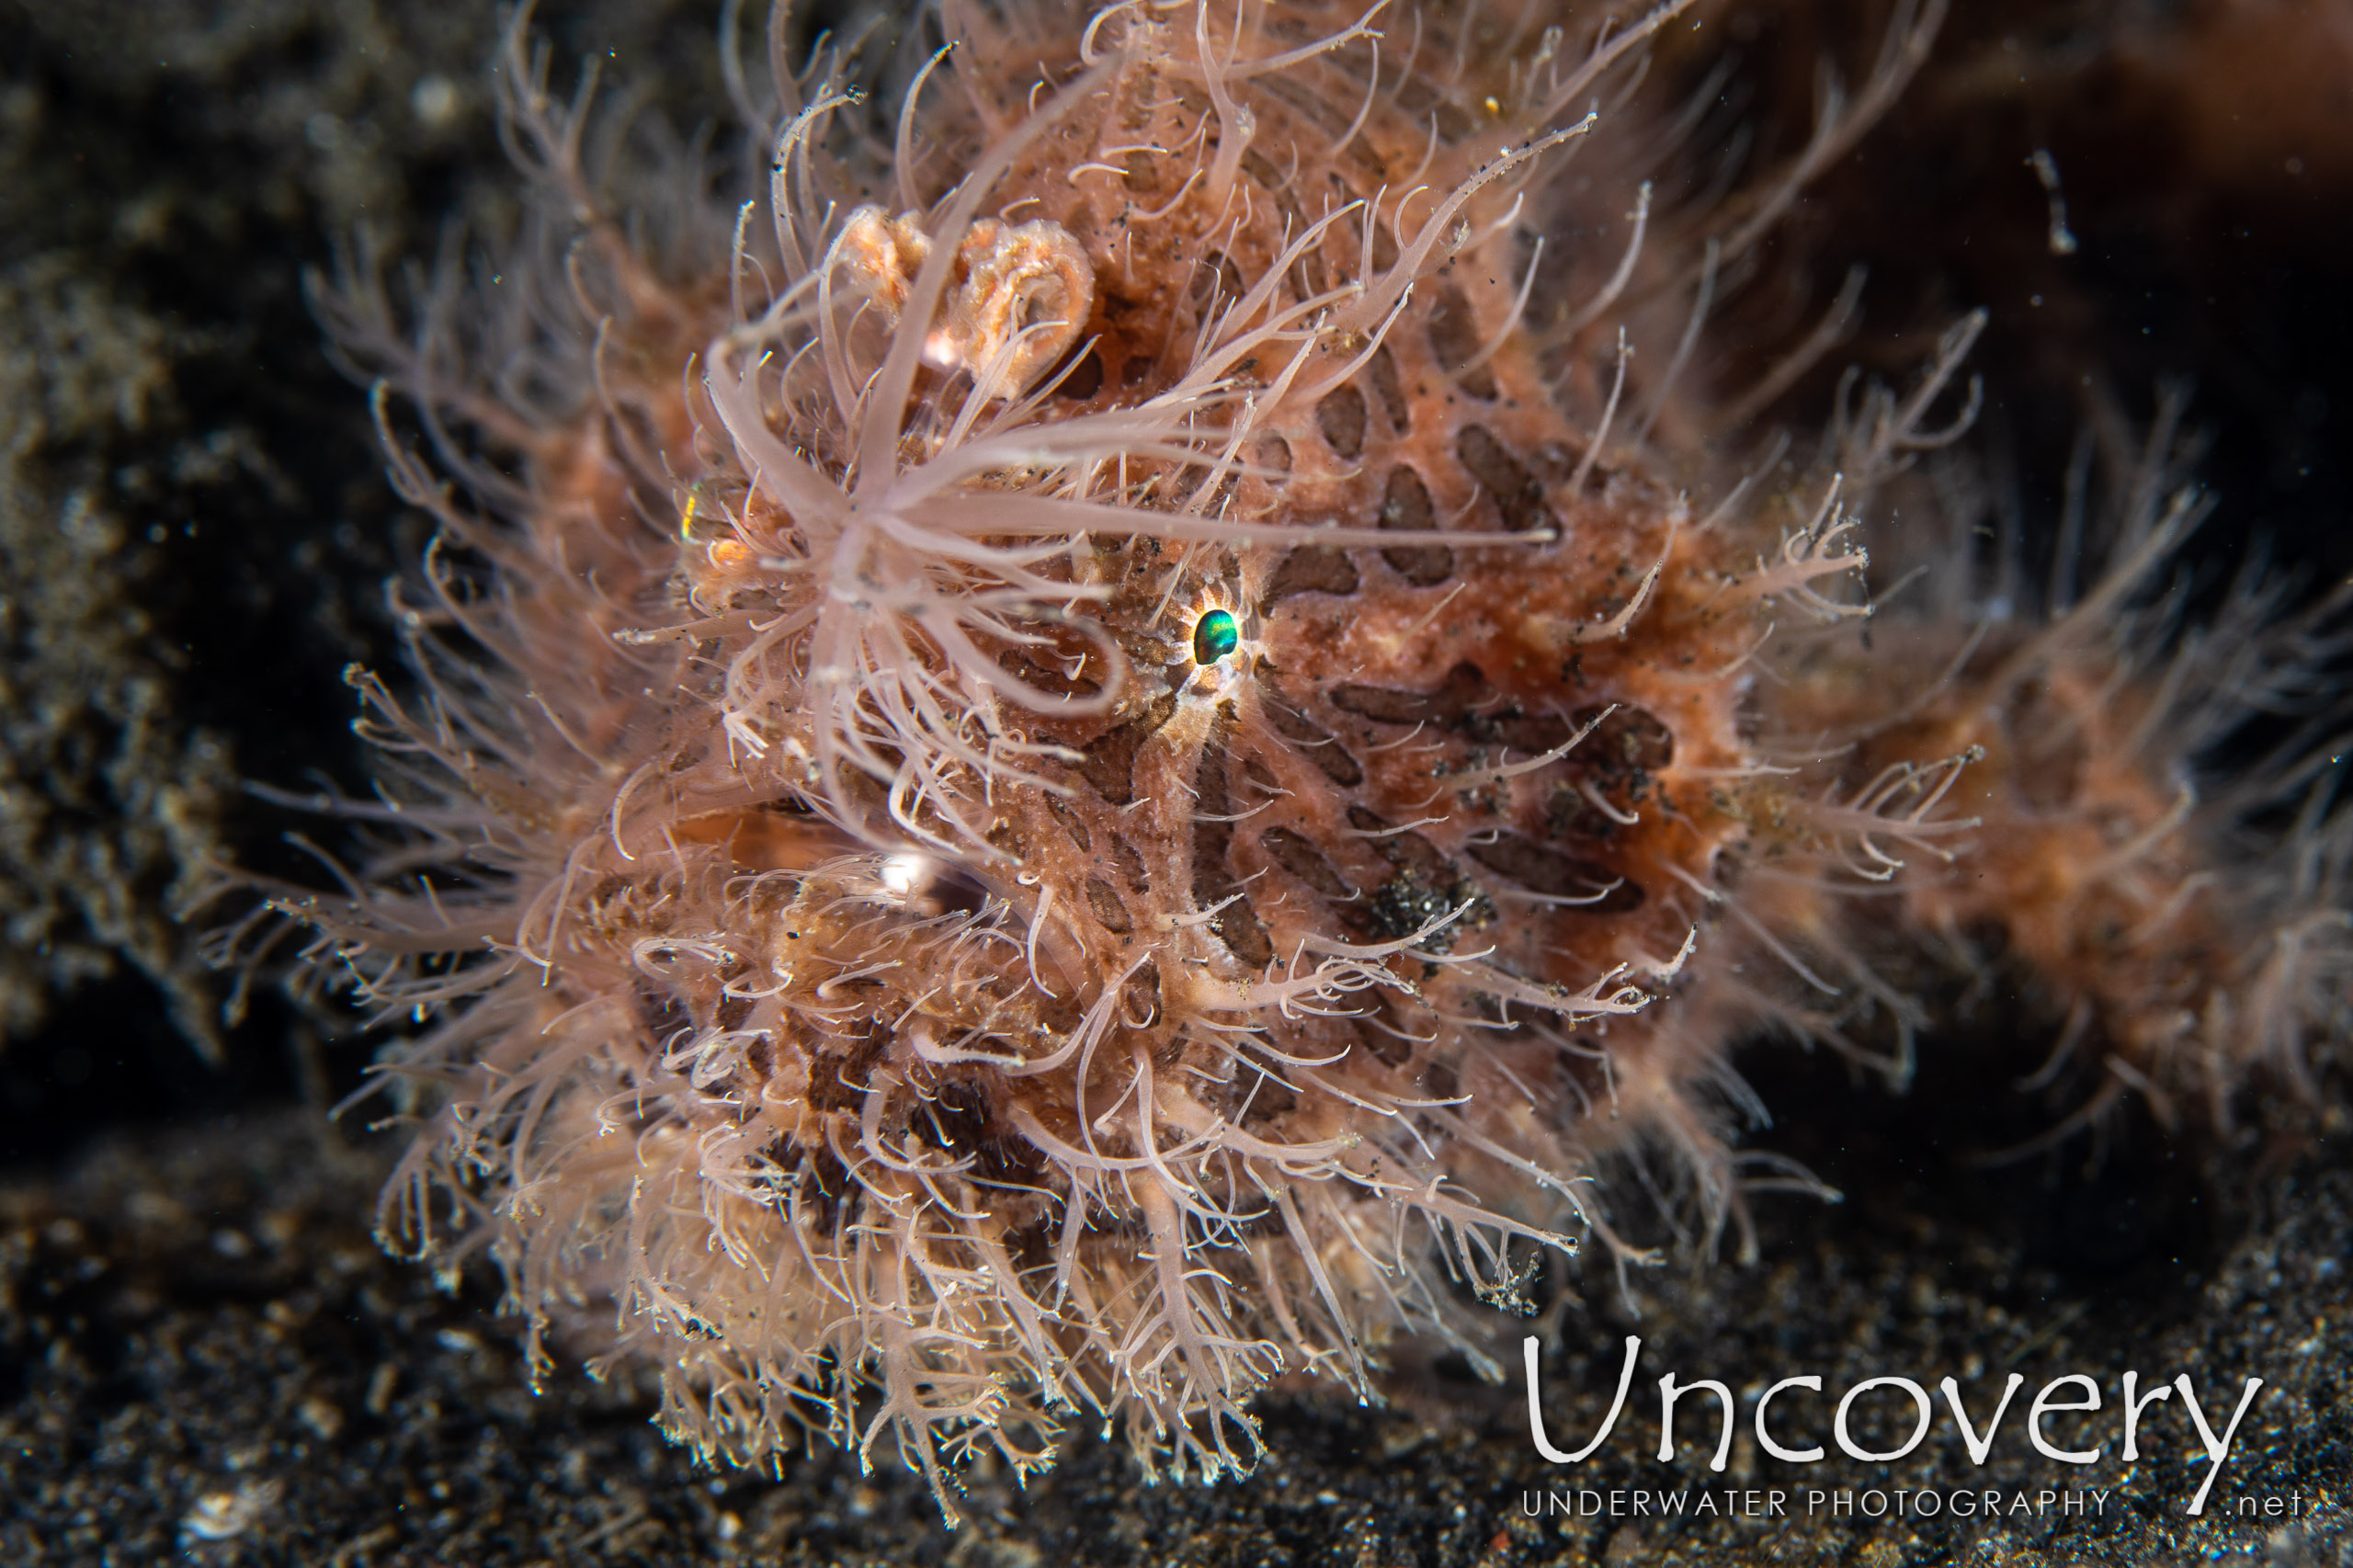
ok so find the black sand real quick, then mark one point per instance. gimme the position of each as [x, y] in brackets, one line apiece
[203, 1352]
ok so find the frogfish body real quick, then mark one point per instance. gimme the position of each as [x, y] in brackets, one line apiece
[1121, 753]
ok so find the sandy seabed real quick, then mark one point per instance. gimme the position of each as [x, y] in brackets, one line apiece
[203, 1352]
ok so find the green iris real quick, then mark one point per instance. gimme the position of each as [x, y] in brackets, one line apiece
[1214, 637]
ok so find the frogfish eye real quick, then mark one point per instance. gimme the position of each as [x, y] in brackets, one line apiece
[1215, 636]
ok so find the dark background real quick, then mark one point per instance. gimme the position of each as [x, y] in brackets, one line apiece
[187, 196]
[194, 528]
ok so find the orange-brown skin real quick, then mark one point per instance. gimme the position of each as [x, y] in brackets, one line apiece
[871, 951]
